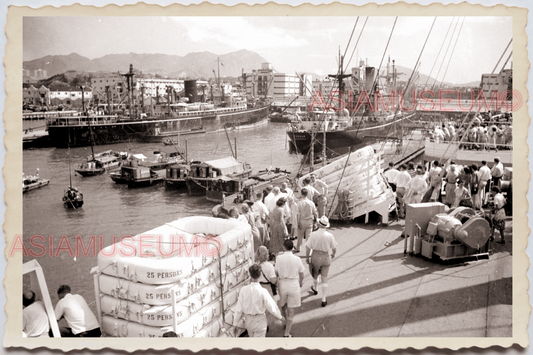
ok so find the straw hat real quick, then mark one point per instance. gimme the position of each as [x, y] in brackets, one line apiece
[323, 221]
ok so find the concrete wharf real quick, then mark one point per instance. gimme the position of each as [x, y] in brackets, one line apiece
[377, 291]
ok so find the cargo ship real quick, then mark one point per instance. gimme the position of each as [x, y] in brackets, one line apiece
[161, 122]
[330, 129]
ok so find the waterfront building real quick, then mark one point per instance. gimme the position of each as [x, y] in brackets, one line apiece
[265, 82]
[33, 75]
[70, 96]
[33, 96]
[496, 82]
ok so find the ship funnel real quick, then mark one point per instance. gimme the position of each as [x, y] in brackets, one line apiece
[369, 79]
[191, 91]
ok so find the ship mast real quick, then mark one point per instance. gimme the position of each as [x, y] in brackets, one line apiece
[340, 76]
[88, 123]
[129, 79]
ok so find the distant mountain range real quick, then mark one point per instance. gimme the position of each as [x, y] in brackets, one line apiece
[405, 73]
[198, 65]
[191, 66]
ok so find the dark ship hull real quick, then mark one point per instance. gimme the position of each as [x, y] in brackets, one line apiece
[111, 130]
[355, 137]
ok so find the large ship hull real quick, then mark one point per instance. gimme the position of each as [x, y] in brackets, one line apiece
[152, 129]
[355, 137]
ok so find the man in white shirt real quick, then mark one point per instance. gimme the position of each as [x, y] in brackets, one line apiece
[435, 183]
[273, 197]
[324, 249]
[34, 318]
[79, 317]
[267, 194]
[253, 302]
[311, 191]
[484, 179]
[496, 171]
[321, 199]
[390, 175]
[307, 213]
[286, 190]
[290, 272]
[401, 180]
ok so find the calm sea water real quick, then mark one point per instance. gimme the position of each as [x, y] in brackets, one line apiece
[114, 210]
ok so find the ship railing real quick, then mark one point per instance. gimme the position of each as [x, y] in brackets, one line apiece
[81, 120]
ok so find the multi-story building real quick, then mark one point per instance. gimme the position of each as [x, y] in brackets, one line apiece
[99, 85]
[324, 86]
[496, 82]
[33, 96]
[70, 96]
[265, 82]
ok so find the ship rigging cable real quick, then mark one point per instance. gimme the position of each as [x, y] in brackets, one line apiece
[451, 55]
[475, 102]
[445, 54]
[356, 43]
[420, 55]
[438, 54]
[412, 74]
[351, 35]
[377, 77]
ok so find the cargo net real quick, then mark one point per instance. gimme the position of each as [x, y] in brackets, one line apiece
[179, 284]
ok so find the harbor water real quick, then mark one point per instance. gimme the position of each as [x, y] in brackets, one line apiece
[111, 210]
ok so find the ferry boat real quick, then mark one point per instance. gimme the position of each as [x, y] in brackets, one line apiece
[163, 121]
[217, 177]
[138, 172]
[32, 182]
[176, 176]
[99, 163]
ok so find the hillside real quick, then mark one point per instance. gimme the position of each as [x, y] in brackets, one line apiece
[198, 65]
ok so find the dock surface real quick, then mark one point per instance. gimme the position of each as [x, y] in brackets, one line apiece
[377, 291]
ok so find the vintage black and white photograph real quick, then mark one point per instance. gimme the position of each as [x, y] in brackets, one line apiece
[267, 176]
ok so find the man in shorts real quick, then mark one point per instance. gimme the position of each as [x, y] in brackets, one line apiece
[323, 245]
[290, 273]
[307, 213]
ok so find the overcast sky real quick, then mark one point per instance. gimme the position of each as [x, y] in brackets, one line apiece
[309, 44]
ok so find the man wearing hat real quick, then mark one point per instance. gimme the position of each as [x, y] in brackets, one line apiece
[324, 249]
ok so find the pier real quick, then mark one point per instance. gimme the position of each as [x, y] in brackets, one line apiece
[377, 291]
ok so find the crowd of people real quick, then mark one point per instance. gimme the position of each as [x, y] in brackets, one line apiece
[485, 132]
[280, 223]
[80, 320]
[470, 186]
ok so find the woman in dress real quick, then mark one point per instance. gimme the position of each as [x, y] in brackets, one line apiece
[451, 179]
[498, 214]
[294, 217]
[476, 197]
[411, 170]
[278, 229]
[416, 187]
[250, 218]
[462, 195]
[466, 177]
[269, 274]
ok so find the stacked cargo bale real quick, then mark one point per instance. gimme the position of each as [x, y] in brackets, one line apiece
[184, 276]
[356, 186]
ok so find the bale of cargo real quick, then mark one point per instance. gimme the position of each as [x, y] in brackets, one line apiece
[184, 276]
[356, 186]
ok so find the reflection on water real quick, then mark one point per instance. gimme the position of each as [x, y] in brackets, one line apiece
[115, 210]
